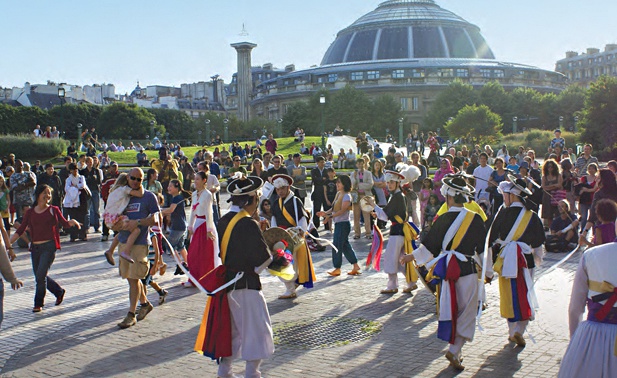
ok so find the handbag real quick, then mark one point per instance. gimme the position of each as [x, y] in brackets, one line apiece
[557, 195]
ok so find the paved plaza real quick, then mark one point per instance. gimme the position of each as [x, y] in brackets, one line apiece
[80, 338]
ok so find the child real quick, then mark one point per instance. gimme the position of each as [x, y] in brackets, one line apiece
[119, 197]
[329, 189]
[512, 166]
[425, 193]
[155, 259]
[5, 203]
[431, 210]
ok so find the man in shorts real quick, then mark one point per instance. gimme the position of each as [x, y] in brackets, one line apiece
[142, 213]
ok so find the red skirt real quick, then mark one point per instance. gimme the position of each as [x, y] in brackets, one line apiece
[201, 257]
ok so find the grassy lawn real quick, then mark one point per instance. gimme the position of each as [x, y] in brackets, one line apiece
[286, 146]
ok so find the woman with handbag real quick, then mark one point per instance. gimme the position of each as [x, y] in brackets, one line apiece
[362, 184]
[43, 220]
[552, 184]
[76, 201]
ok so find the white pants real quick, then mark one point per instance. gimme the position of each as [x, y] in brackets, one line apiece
[252, 368]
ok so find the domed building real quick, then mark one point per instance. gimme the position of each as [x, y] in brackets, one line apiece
[409, 49]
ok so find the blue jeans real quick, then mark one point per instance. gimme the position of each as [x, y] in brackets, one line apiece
[42, 256]
[93, 210]
[341, 242]
[215, 213]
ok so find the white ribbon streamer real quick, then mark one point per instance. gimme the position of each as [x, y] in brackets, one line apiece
[195, 282]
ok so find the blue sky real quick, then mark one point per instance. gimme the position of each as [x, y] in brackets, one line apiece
[169, 42]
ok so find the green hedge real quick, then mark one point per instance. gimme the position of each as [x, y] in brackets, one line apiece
[26, 147]
[537, 140]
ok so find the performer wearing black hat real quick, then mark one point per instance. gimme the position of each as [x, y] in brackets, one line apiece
[396, 212]
[448, 250]
[243, 249]
[518, 234]
[288, 212]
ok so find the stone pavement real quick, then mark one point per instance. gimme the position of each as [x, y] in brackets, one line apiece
[80, 338]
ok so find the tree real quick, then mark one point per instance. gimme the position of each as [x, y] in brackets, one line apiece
[449, 102]
[569, 103]
[120, 120]
[177, 123]
[298, 116]
[385, 114]
[67, 116]
[21, 120]
[350, 108]
[599, 116]
[525, 104]
[475, 123]
[493, 95]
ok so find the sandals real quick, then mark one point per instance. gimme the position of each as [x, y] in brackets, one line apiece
[110, 258]
[126, 257]
[335, 272]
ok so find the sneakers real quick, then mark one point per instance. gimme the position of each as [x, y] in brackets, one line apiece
[60, 297]
[128, 321]
[37, 309]
[144, 310]
[162, 297]
[104, 238]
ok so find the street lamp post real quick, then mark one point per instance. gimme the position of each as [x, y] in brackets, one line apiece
[79, 136]
[322, 101]
[576, 124]
[514, 125]
[226, 134]
[560, 122]
[401, 141]
[199, 137]
[152, 127]
[279, 131]
[61, 95]
[207, 129]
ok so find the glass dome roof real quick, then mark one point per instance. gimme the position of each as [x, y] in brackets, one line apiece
[407, 29]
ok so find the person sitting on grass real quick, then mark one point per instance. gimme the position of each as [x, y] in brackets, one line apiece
[119, 197]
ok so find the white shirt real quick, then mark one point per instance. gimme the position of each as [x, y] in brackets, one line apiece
[482, 174]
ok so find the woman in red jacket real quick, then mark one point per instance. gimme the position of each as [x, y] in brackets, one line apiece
[43, 221]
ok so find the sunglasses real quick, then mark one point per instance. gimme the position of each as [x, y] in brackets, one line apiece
[138, 179]
[236, 160]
